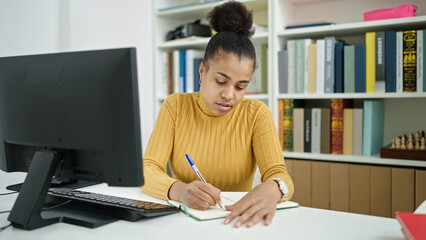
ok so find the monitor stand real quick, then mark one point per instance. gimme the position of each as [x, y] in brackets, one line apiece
[27, 210]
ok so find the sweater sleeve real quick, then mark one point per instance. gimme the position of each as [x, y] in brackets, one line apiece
[267, 150]
[158, 151]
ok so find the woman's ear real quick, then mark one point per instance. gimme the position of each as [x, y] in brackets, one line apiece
[201, 70]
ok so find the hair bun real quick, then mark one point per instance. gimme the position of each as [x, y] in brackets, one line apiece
[232, 17]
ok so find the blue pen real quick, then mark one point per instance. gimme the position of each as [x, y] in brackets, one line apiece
[199, 174]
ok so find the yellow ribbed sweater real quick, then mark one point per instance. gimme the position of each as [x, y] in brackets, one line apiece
[225, 149]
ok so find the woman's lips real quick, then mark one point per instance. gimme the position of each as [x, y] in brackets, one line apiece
[224, 107]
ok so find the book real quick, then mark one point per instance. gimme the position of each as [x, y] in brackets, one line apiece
[191, 54]
[337, 107]
[338, 64]
[370, 62]
[390, 60]
[348, 131]
[182, 71]
[291, 59]
[399, 65]
[307, 129]
[320, 65]
[380, 62]
[312, 69]
[360, 68]
[298, 129]
[308, 42]
[227, 198]
[409, 61]
[299, 79]
[320, 140]
[316, 24]
[176, 71]
[419, 74]
[413, 225]
[197, 62]
[373, 127]
[282, 71]
[349, 69]
[288, 124]
[329, 65]
[281, 123]
[357, 131]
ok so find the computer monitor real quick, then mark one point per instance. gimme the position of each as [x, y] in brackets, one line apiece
[72, 115]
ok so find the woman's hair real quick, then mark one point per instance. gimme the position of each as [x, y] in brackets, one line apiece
[233, 24]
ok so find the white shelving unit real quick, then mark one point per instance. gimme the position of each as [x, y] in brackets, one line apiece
[404, 112]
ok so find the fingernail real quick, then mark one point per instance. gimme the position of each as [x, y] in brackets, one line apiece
[249, 224]
[237, 225]
[226, 221]
[267, 223]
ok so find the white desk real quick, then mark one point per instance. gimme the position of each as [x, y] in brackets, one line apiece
[297, 223]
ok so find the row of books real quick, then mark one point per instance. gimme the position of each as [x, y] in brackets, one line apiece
[181, 71]
[339, 129]
[388, 61]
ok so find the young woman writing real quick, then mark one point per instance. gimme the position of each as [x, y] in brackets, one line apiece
[225, 134]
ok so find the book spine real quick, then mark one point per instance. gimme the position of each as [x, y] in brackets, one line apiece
[357, 131]
[288, 124]
[360, 68]
[308, 42]
[320, 65]
[380, 62]
[316, 130]
[182, 70]
[399, 77]
[348, 133]
[281, 123]
[370, 62]
[291, 45]
[349, 69]
[325, 130]
[420, 60]
[282, 71]
[189, 71]
[300, 66]
[307, 130]
[339, 67]
[312, 69]
[372, 127]
[390, 60]
[264, 67]
[337, 107]
[329, 64]
[298, 125]
[176, 71]
[409, 52]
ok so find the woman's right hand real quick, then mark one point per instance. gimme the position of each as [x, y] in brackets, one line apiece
[196, 194]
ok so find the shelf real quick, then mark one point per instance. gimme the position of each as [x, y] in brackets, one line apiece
[355, 159]
[355, 28]
[352, 95]
[200, 10]
[201, 42]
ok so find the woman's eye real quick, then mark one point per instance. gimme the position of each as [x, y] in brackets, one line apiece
[240, 88]
[220, 82]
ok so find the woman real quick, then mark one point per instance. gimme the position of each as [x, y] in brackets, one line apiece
[225, 134]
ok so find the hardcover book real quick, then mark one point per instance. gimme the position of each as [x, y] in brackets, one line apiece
[300, 66]
[373, 127]
[329, 65]
[312, 69]
[338, 75]
[370, 62]
[291, 59]
[281, 123]
[337, 107]
[357, 131]
[288, 124]
[282, 71]
[298, 129]
[320, 140]
[320, 65]
[399, 64]
[307, 129]
[390, 61]
[349, 69]
[348, 131]
[420, 60]
[380, 62]
[360, 68]
[409, 63]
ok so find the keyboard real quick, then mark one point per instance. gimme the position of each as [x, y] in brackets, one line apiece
[125, 208]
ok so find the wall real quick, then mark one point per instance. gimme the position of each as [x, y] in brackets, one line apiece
[42, 26]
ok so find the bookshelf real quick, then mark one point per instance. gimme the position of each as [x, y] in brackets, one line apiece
[404, 112]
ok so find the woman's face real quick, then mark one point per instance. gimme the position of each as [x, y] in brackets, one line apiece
[225, 82]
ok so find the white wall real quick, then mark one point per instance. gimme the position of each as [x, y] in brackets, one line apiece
[31, 27]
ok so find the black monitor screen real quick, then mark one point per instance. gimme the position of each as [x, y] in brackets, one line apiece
[82, 106]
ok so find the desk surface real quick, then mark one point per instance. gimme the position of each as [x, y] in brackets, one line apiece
[296, 223]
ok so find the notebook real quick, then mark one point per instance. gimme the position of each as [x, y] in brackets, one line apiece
[228, 198]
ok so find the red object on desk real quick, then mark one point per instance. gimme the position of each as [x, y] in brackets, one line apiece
[413, 225]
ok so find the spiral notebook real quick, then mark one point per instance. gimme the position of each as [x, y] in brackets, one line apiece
[228, 198]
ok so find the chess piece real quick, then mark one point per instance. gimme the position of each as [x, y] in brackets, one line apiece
[393, 144]
[403, 146]
[410, 145]
[417, 142]
[422, 145]
[398, 143]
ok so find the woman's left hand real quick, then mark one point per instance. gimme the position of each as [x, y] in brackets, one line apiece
[259, 203]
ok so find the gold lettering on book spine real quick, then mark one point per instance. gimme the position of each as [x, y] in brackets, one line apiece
[409, 61]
